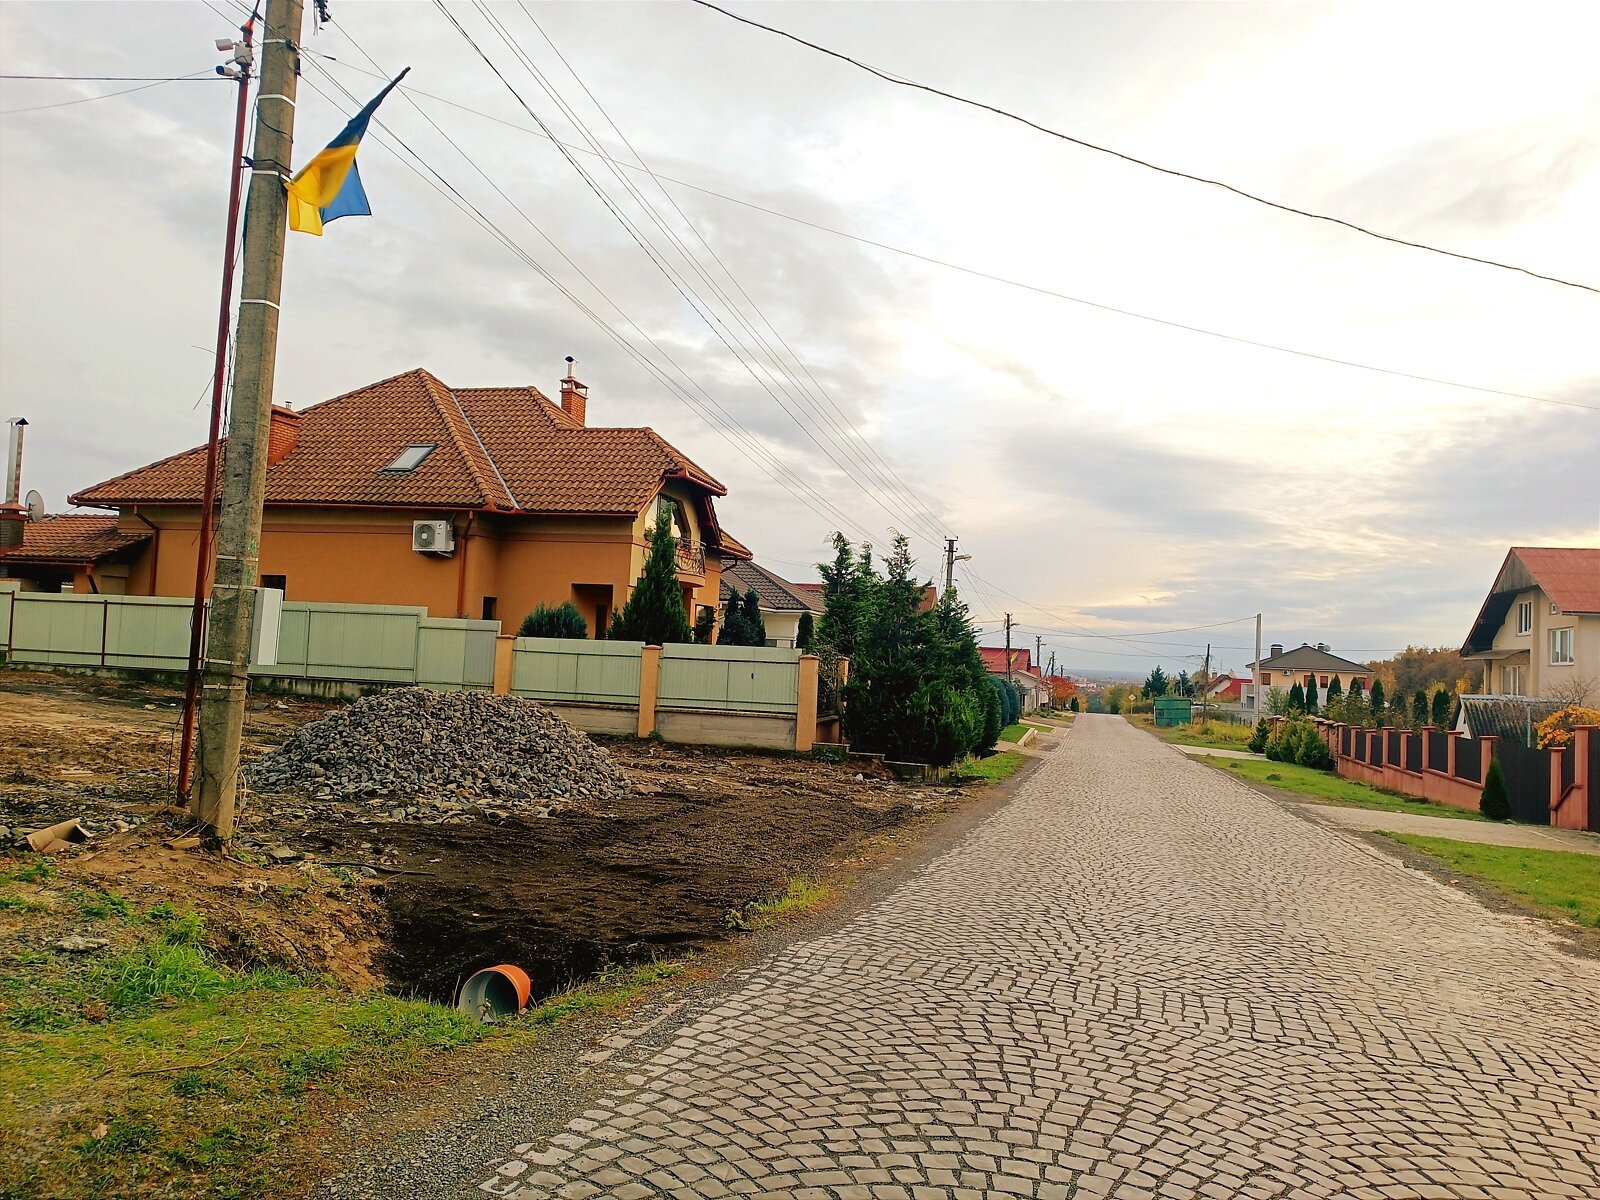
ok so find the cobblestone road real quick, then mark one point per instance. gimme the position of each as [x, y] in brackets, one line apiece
[1139, 979]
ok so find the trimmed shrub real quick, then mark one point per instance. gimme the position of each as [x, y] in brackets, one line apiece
[1074, 706]
[562, 621]
[1495, 801]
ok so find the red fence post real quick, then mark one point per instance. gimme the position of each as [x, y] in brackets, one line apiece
[1450, 751]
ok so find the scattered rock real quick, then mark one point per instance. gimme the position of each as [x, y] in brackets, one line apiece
[282, 854]
[78, 944]
[415, 755]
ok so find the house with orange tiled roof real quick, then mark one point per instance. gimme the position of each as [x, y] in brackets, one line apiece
[1538, 632]
[470, 502]
[80, 552]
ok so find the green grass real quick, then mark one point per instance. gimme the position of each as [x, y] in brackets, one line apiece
[994, 768]
[151, 1068]
[1213, 735]
[1013, 733]
[1329, 788]
[1556, 882]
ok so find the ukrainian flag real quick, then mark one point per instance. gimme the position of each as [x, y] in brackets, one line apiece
[329, 186]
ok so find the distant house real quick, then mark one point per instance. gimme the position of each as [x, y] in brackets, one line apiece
[475, 502]
[1312, 667]
[1017, 665]
[782, 603]
[1538, 632]
[74, 552]
[1225, 689]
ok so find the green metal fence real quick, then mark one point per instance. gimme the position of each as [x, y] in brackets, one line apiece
[1173, 712]
[730, 678]
[576, 671]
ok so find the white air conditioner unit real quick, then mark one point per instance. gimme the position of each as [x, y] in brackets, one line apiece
[432, 537]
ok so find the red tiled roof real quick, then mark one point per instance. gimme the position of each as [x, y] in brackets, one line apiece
[71, 539]
[501, 449]
[1570, 577]
[732, 547]
[994, 659]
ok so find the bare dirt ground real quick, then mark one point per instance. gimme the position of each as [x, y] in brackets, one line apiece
[705, 832]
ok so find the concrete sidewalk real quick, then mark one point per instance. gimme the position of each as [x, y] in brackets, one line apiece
[1488, 833]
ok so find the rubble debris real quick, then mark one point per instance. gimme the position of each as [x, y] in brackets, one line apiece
[415, 755]
[63, 835]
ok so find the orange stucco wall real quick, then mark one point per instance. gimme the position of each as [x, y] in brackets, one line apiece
[358, 556]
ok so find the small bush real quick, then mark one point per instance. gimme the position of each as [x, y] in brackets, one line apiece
[563, 621]
[1258, 739]
[1495, 801]
[1297, 741]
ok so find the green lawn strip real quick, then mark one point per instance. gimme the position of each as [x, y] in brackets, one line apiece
[1211, 735]
[1558, 882]
[994, 768]
[1329, 788]
[149, 1068]
[1013, 733]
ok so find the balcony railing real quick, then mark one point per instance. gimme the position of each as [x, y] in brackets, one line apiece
[691, 558]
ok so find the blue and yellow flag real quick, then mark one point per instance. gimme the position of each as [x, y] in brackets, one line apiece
[329, 186]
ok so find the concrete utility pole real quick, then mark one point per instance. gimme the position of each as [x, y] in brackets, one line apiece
[1038, 650]
[1008, 647]
[244, 478]
[1255, 670]
[951, 558]
[1205, 685]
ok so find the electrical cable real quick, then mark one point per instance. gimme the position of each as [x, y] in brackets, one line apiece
[901, 81]
[979, 273]
[727, 428]
[753, 449]
[195, 76]
[877, 465]
[684, 288]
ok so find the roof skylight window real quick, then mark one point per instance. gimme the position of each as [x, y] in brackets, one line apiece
[411, 458]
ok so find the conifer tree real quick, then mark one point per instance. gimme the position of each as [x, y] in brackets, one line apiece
[753, 620]
[1297, 697]
[705, 625]
[1419, 708]
[806, 636]
[1335, 690]
[1439, 709]
[1380, 705]
[1311, 695]
[654, 612]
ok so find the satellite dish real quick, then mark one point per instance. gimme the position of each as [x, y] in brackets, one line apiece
[35, 504]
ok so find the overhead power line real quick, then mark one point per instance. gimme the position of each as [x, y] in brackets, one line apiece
[978, 272]
[901, 81]
[194, 76]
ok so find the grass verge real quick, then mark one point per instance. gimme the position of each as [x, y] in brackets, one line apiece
[1328, 788]
[1213, 735]
[993, 769]
[1558, 883]
[140, 1065]
[1013, 733]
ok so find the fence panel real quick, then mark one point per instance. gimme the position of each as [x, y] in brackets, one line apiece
[1438, 757]
[376, 643]
[456, 654]
[576, 670]
[1594, 780]
[731, 678]
[1527, 774]
[151, 632]
[1414, 753]
[57, 630]
[8, 588]
[1469, 760]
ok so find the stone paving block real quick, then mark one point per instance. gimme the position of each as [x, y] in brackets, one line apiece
[1137, 979]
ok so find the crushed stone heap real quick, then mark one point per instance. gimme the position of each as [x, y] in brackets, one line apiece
[445, 749]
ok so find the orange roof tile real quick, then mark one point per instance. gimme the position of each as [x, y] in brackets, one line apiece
[1570, 577]
[732, 547]
[71, 539]
[505, 449]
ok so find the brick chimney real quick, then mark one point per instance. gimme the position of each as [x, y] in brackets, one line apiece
[574, 396]
[284, 435]
[574, 399]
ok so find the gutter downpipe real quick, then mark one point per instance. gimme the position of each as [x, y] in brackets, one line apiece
[461, 568]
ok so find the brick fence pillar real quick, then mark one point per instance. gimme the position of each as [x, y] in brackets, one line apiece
[649, 688]
[805, 717]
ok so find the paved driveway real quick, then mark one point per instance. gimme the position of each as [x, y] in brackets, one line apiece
[1139, 979]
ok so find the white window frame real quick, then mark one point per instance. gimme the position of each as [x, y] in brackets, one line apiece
[1524, 617]
[1561, 649]
[1515, 680]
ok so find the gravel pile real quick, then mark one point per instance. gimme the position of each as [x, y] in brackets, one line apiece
[415, 754]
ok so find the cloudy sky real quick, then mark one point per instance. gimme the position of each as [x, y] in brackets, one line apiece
[1108, 474]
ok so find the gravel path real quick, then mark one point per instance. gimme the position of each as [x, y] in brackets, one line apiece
[1139, 979]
